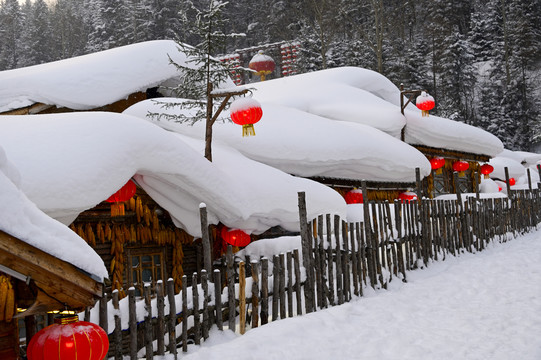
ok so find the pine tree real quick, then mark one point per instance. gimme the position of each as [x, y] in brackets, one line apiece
[10, 29]
[203, 73]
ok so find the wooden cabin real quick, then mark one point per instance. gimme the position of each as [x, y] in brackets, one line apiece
[34, 280]
[442, 181]
[142, 246]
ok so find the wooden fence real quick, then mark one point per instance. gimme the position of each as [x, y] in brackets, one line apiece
[338, 261]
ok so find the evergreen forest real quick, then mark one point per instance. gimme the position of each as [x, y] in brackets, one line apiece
[480, 59]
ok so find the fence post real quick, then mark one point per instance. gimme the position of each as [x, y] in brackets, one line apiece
[207, 264]
[132, 323]
[507, 182]
[231, 288]
[184, 313]
[218, 299]
[118, 328]
[306, 256]
[160, 331]
[242, 298]
[148, 322]
[264, 291]
[172, 317]
[255, 294]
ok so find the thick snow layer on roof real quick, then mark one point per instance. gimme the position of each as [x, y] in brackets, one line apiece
[307, 145]
[71, 162]
[21, 218]
[438, 132]
[350, 94]
[523, 157]
[92, 80]
[366, 97]
[515, 169]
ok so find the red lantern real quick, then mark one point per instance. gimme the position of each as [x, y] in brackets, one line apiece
[486, 169]
[246, 111]
[354, 196]
[425, 103]
[512, 181]
[117, 200]
[262, 64]
[235, 237]
[460, 167]
[437, 163]
[407, 196]
[69, 339]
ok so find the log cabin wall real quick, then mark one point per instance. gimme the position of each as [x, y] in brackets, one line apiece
[141, 246]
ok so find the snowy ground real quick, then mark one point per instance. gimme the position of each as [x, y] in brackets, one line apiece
[482, 306]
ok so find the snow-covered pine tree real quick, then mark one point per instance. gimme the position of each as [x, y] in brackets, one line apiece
[35, 36]
[202, 73]
[10, 29]
[69, 30]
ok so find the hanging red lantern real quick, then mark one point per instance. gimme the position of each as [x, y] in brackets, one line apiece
[354, 196]
[117, 200]
[425, 103]
[69, 339]
[486, 169]
[461, 167]
[512, 181]
[437, 164]
[407, 196]
[235, 237]
[246, 111]
[262, 64]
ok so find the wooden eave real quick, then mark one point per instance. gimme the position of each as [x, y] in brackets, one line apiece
[61, 285]
[340, 182]
[40, 108]
[451, 154]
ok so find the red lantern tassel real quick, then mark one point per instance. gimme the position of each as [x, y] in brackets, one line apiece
[486, 176]
[461, 173]
[425, 112]
[117, 209]
[248, 130]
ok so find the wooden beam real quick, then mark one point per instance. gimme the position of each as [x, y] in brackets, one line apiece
[57, 279]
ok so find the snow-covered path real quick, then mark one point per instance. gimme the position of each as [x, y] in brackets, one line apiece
[483, 306]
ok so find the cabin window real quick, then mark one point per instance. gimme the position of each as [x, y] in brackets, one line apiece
[146, 267]
[441, 185]
[464, 183]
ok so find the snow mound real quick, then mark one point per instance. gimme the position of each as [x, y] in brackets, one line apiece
[306, 145]
[20, 218]
[71, 162]
[93, 80]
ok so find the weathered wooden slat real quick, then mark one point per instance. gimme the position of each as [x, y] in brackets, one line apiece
[172, 317]
[132, 323]
[264, 291]
[242, 298]
[149, 351]
[255, 293]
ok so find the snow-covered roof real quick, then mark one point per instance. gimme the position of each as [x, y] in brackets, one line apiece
[93, 80]
[366, 97]
[304, 144]
[71, 162]
[524, 157]
[21, 218]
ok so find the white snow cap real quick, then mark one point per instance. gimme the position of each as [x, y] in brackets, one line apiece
[93, 80]
[366, 97]
[424, 98]
[307, 145]
[20, 218]
[71, 162]
[261, 57]
[243, 103]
